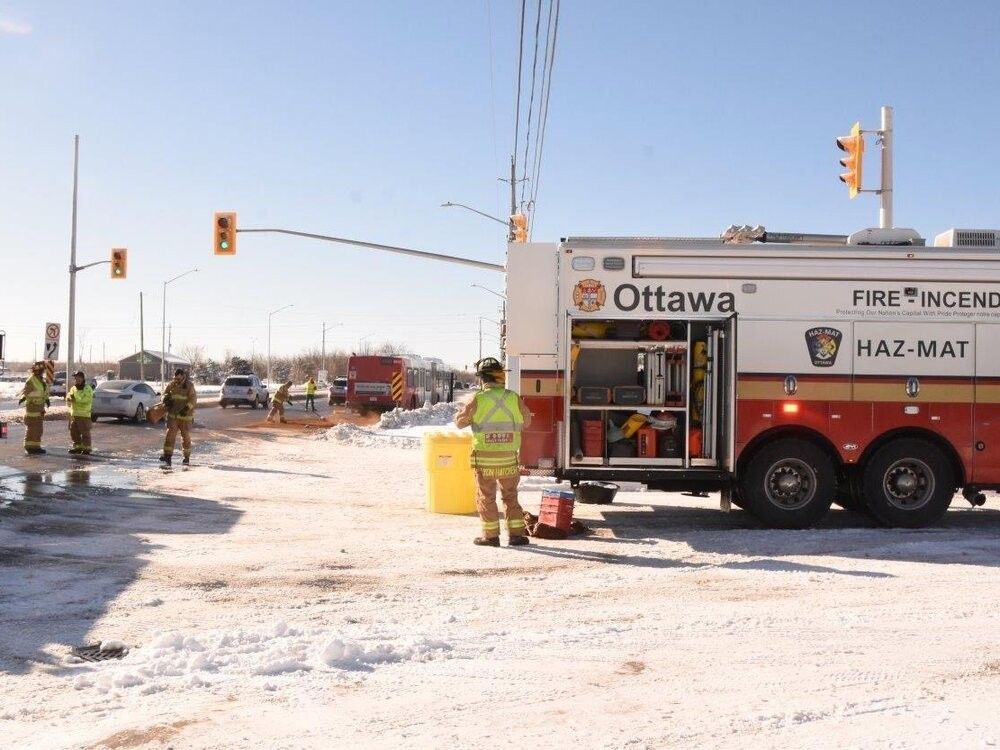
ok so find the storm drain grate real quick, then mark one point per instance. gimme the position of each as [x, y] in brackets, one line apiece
[93, 652]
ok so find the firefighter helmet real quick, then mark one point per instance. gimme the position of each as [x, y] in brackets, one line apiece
[490, 369]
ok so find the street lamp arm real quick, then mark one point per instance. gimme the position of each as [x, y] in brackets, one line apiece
[388, 248]
[449, 204]
[487, 289]
[193, 270]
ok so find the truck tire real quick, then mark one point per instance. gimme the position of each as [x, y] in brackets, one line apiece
[909, 482]
[789, 484]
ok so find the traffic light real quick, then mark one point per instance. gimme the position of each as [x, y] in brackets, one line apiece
[854, 145]
[225, 233]
[119, 263]
[520, 225]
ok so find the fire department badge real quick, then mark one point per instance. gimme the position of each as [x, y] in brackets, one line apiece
[589, 295]
[823, 343]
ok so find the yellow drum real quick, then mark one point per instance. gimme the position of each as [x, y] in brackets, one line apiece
[451, 485]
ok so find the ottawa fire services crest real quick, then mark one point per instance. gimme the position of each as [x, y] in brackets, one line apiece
[589, 295]
[823, 343]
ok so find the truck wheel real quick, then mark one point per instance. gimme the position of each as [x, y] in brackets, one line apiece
[908, 482]
[789, 484]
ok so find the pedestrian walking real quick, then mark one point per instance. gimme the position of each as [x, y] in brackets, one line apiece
[81, 403]
[35, 397]
[180, 400]
[497, 416]
[278, 401]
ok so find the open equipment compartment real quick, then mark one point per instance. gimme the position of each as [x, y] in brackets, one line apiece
[639, 404]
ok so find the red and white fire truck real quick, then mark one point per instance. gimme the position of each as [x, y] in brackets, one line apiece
[788, 374]
[380, 383]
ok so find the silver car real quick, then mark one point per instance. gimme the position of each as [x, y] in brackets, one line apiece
[123, 399]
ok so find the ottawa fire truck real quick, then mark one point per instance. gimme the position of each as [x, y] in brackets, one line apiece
[381, 383]
[786, 371]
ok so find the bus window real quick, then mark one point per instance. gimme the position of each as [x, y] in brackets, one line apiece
[409, 376]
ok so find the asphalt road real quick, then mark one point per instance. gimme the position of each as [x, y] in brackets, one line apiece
[131, 443]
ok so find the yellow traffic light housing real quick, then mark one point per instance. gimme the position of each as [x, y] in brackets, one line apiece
[519, 223]
[854, 146]
[225, 233]
[119, 263]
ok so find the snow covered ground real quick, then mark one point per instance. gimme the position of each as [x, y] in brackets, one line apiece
[305, 599]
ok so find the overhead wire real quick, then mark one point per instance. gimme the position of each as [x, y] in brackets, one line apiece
[546, 95]
[493, 105]
[517, 99]
[531, 100]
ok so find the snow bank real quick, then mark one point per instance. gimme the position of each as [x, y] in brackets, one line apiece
[400, 428]
[175, 661]
[425, 416]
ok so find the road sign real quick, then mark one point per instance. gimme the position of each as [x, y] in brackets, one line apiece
[51, 341]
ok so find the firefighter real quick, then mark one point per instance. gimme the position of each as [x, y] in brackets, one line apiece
[278, 403]
[497, 416]
[180, 400]
[81, 402]
[35, 397]
[311, 393]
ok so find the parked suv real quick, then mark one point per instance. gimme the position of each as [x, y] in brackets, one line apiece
[243, 389]
[338, 391]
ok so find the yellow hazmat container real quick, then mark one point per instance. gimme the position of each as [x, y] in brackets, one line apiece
[451, 483]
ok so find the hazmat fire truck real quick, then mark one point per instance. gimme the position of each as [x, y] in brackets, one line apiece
[786, 371]
[381, 383]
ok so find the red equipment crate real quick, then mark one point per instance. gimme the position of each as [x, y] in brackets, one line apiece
[647, 442]
[593, 437]
[557, 509]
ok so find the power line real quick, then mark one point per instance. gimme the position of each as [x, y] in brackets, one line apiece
[545, 116]
[541, 101]
[517, 101]
[493, 104]
[531, 100]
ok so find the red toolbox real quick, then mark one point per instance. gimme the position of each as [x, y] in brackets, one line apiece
[592, 434]
[557, 509]
[647, 442]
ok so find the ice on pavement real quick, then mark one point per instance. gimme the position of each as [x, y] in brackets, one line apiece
[400, 428]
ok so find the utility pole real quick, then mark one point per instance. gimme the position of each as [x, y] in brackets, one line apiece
[885, 194]
[513, 204]
[72, 261]
[480, 339]
[142, 343]
[323, 364]
[170, 337]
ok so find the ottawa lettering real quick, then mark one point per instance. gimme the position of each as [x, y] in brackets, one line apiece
[629, 297]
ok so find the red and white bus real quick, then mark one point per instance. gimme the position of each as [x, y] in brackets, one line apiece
[381, 383]
[786, 374]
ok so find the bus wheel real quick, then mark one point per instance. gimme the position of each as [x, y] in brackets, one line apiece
[908, 483]
[789, 484]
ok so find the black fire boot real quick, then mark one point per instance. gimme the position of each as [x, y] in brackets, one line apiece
[186, 461]
[165, 459]
[487, 541]
[518, 540]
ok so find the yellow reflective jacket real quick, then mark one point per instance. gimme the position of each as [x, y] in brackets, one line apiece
[81, 400]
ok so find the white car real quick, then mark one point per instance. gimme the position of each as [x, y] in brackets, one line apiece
[243, 389]
[123, 399]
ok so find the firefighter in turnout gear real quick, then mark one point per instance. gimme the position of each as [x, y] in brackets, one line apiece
[180, 400]
[311, 393]
[35, 397]
[497, 417]
[81, 402]
[278, 401]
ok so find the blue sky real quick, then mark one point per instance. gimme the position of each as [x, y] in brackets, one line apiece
[359, 119]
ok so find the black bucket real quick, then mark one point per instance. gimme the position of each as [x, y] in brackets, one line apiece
[596, 493]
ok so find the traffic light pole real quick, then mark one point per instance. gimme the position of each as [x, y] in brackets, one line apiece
[885, 194]
[389, 248]
[71, 326]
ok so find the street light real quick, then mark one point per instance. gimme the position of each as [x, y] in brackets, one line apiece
[163, 326]
[502, 324]
[481, 319]
[449, 204]
[269, 340]
[361, 342]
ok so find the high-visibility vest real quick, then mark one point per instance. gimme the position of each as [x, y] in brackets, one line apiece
[497, 421]
[35, 393]
[310, 388]
[81, 400]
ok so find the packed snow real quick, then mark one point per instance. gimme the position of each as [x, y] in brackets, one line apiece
[401, 428]
[293, 593]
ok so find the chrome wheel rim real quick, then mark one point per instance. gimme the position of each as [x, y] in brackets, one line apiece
[908, 484]
[790, 484]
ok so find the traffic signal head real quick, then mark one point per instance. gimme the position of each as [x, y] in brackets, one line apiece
[225, 233]
[119, 263]
[519, 224]
[854, 146]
